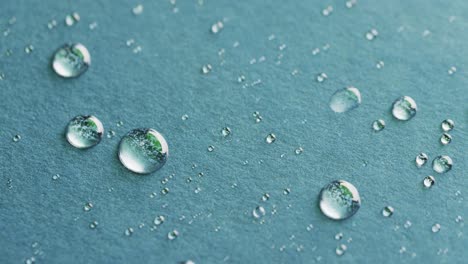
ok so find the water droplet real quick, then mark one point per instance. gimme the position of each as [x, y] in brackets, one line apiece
[71, 60]
[380, 65]
[119, 123]
[165, 191]
[445, 139]
[265, 197]
[387, 211]
[185, 117]
[257, 117]
[137, 10]
[429, 181]
[270, 138]
[341, 249]
[435, 228]
[143, 150]
[30, 260]
[286, 191]
[299, 151]
[378, 125]
[408, 224]
[84, 131]
[310, 227]
[71, 19]
[56, 177]
[327, 11]
[217, 27]
[87, 207]
[16, 138]
[52, 24]
[442, 164]
[447, 125]
[339, 236]
[159, 220]
[459, 219]
[339, 200]
[372, 34]
[211, 148]
[93, 25]
[351, 3]
[345, 99]
[110, 134]
[321, 77]
[452, 70]
[29, 48]
[241, 79]
[258, 212]
[93, 224]
[206, 68]
[129, 231]
[421, 159]
[173, 234]
[226, 131]
[404, 108]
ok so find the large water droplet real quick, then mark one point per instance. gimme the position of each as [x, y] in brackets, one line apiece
[258, 212]
[339, 200]
[84, 131]
[143, 150]
[445, 139]
[421, 159]
[270, 138]
[404, 108]
[71, 60]
[345, 99]
[442, 164]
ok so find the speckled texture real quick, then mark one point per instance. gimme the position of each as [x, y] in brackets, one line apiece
[156, 87]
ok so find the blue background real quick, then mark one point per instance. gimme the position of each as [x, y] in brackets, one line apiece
[156, 87]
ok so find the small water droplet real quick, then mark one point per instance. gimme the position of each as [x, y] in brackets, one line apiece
[211, 148]
[165, 191]
[299, 150]
[458, 219]
[159, 220]
[185, 117]
[339, 200]
[442, 164]
[226, 131]
[310, 227]
[321, 77]
[421, 159]
[445, 139]
[93, 224]
[404, 108]
[447, 125]
[217, 27]
[452, 70]
[345, 100]
[408, 224]
[435, 228]
[137, 10]
[372, 34]
[341, 249]
[258, 212]
[387, 211]
[110, 134]
[16, 138]
[52, 24]
[173, 234]
[84, 131]
[129, 231]
[29, 49]
[351, 3]
[286, 191]
[257, 117]
[380, 65]
[265, 197]
[87, 207]
[207, 68]
[429, 181]
[143, 150]
[56, 177]
[327, 11]
[93, 25]
[339, 236]
[71, 60]
[378, 125]
[270, 138]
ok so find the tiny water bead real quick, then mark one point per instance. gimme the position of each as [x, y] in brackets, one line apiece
[372, 34]
[339, 200]
[421, 159]
[128, 231]
[29, 48]
[173, 234]
[404, 108]
[258, 212]
[447, 125]
[257, 117]
[452, 70]
[321, 77]
[442, 164]
[143, 150]
[298, 151]
[158, 220]
[265, 197]
[327, 11]
[211, 148]
[56, 177]
[341, 249]
[72, 18]
[84, 131]
[429, 181]
[16, 138]
[378, 125]
[226, 131]
[445, 139]
[207, 68]
[71, 60]
[380, 65]
[87, 207]
[270, 138]
[137, 10]
[93, 224]
[387, 211]
[435, 228]
[217, 27]
[345, 99]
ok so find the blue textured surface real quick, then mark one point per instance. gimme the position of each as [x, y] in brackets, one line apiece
[156, 87]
